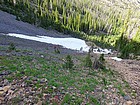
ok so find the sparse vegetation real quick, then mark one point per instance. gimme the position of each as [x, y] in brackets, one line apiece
[57, 51]
[59, 77]
[88, 61]
[101, 58]
[69, 62]
[99, 63]
[11, 47]
[53, 81]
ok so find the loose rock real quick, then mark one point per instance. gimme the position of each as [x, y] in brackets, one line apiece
[129, 103]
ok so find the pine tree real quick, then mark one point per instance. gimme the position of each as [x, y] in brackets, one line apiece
[56, 15]
[78, 18]
[69, 63]
[64, 16]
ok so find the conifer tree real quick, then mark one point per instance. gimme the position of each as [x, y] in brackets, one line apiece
[69, 63]
[56, 15]
[64, 15]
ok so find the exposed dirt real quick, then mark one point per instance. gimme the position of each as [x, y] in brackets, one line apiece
[9, 24]
[130, 71]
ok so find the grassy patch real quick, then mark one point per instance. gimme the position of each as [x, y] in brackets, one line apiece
[74, 85]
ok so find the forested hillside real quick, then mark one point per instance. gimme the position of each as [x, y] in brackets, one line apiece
[109, 22]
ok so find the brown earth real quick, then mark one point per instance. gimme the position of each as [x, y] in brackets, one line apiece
[129, 70]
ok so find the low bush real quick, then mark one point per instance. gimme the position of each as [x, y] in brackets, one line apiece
[68, 63]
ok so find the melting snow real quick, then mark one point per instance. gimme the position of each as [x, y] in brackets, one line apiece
[116, 58]
[71, 43]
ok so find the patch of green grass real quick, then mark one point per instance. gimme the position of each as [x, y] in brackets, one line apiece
[71, 100]
[94, 100]
[16, 100]
[77, 78]
[3, 48]
[10, 79]
[120, 88]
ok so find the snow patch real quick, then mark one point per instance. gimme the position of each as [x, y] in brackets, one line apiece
[70, 43]
[116, 58]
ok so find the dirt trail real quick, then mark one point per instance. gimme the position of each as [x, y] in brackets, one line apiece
[130, 70]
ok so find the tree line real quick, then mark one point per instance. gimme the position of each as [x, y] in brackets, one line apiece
[84, 17]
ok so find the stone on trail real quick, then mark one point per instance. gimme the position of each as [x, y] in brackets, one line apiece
[39, 103]
[6, 88]
[129, 103]
[127, 98]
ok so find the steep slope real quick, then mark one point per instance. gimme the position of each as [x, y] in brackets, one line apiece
[34, 73]
[114, 23]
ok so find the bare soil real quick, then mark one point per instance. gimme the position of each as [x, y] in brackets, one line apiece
[129, 70]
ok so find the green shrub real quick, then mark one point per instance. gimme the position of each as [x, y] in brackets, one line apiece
[11, 47]
[57, 51]
[88, 62]
[104, 81]
[102, 59]
[99, 63]
[69, 63]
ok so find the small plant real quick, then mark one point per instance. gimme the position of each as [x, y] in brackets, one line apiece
[66, 99]
[102, 59]
[99, 63]
[56, 50]
[69, 63]
[88, 62]
[104, 81]
[11, 47]
[120, 90]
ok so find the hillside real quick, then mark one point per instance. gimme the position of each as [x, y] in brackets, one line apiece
[107, 23]
[39, 73]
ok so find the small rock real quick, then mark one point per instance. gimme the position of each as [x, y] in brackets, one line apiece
[138, 103]
[1, 88]
[1, 98]
[30, 54]
[42, 56]
[54, 100]
[10, 92]
[6, 82]
[30, 96]
[54, 87]
[129, 103]
[46, 96]
[1, 93]
[43, 80]
[13, 88]
[34, 79]
[5, 72]
[39, 103]
[127, 98]
[6, 88]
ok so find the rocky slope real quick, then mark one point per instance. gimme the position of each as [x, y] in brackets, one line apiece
[33, 73]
